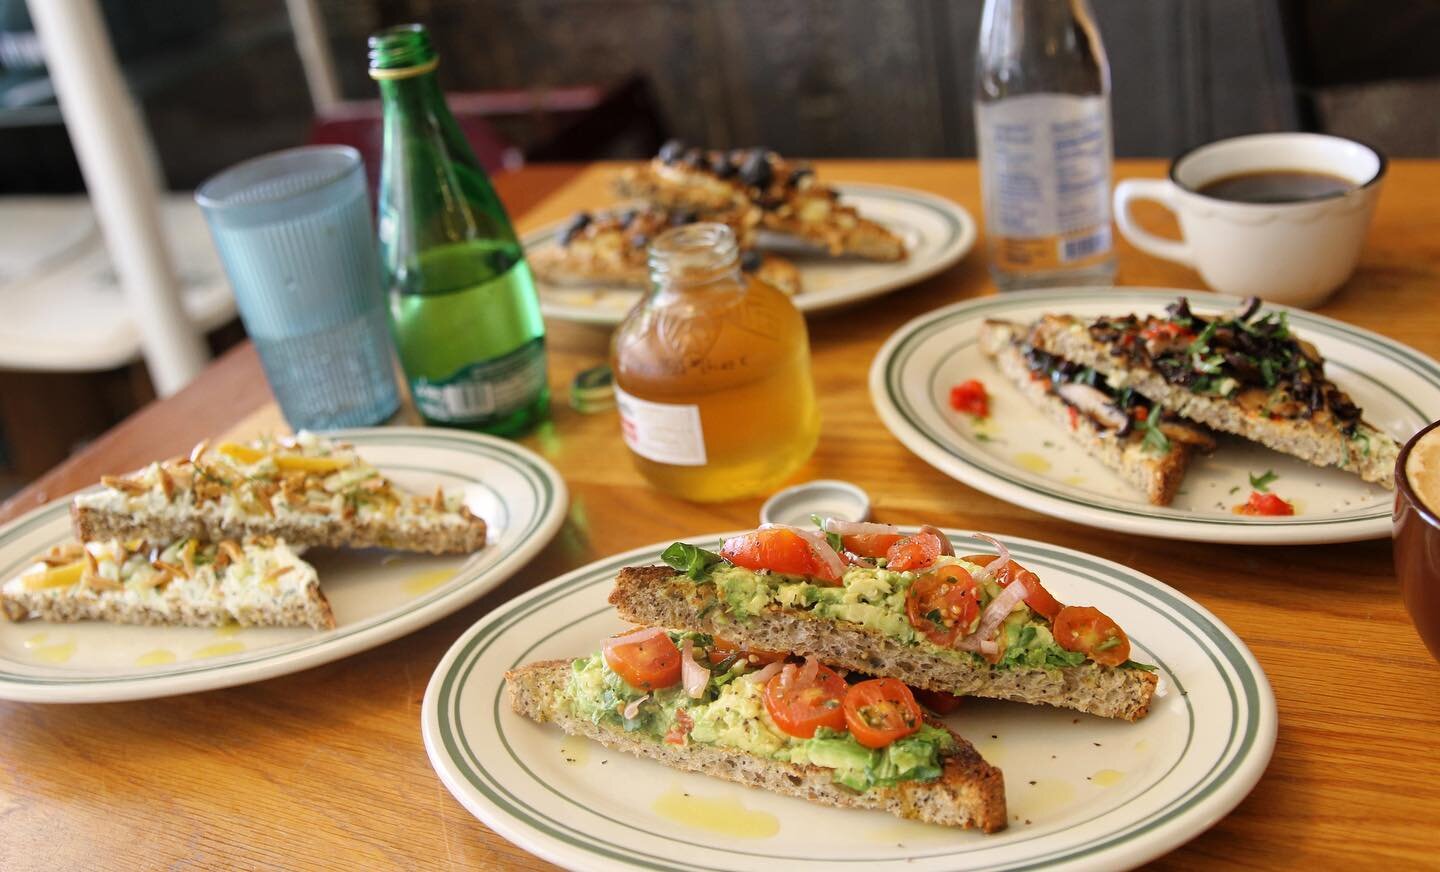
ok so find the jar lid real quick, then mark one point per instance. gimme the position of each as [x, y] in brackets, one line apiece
[593, 390]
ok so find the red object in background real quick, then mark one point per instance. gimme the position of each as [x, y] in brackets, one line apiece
[970, 397]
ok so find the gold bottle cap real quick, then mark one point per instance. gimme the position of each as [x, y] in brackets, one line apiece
[405, 72]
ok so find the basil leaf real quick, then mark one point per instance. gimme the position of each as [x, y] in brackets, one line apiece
[1262, 482]
[689, 560]
[833, 538]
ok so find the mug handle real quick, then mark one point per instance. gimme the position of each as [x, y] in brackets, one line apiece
[1160, 191]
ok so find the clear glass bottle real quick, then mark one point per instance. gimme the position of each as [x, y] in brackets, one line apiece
[712, 373]
[462, 302]
[1042, 125]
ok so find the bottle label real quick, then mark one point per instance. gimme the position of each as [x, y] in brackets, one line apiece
[662, 432]
[484, 391]
[1045, 173]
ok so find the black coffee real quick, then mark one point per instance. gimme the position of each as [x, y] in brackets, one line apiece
[1275, 186]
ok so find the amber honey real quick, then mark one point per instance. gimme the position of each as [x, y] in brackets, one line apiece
[713, 374]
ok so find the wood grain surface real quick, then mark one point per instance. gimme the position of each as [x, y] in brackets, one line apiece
[325, 769]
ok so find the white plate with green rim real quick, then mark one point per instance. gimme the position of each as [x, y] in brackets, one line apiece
[376, 595]
[937, 233]
[1083, 792]
[1021, 456]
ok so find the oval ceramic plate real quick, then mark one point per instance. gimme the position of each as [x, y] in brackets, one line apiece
[1020, 455]
[1083, 792]
[376, 595]
[937, 233]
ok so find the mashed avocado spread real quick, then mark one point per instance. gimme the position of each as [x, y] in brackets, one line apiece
[870, 597]
[731, 713]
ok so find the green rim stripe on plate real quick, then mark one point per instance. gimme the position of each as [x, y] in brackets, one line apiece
[533, 475]
[909, 344]
[466, 660]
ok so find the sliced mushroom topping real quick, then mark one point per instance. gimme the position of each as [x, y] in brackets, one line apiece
[1093, 402]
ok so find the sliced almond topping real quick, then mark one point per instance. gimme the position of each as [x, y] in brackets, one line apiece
[95, 581]
[275, 573]
[199, 450]
[158, 578]
[438, 501]
[187, 557]
[163, 566]
[232, 549]
[316, 508]
[167, 484]
[467, 514]
[129, 486]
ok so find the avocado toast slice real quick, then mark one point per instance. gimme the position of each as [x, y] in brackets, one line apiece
[719, 722]
[904, 616]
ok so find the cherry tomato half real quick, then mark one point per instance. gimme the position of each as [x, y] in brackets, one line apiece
[650, 663]
[970, 397]
[943, 604]
[881, 710]
[869, 544]
[913, 552]
[1036, 596]
[778, 550]
[802, 699]
[937, 701]
[1088, 630]
[720, 649]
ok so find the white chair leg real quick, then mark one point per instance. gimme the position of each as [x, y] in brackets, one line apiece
[102, 120]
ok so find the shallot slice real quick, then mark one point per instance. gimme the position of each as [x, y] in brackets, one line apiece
[996, 566]
[633, 708]
[861, 528]
[973, 642]
[692, 675]
[1000, 608]
[764, 675]
[639, 634]
[946, 547]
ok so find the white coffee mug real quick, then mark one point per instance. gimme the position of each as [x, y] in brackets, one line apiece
[1295, 253]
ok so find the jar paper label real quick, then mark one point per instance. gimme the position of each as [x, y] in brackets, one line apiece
[662, 432]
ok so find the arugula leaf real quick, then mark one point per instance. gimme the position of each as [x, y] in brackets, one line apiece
[1262, 482]
[1143, 667]
[690, 560]
[833, 538]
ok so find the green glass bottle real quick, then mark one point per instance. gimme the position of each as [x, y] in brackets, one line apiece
[462, 302]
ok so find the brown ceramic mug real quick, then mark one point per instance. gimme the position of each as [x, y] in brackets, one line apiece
[1417, 532]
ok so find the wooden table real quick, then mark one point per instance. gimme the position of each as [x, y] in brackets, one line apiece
[326, 768]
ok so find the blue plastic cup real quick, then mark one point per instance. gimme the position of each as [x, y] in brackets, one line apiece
[293, 229]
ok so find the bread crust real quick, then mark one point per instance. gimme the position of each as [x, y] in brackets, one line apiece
[93, 524]
[656, 596]
[1317, 442]
[969, 792]
[1159, 476]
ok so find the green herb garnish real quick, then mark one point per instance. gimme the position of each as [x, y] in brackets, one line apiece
[1202, 342]
[690, 560]
[1154, 439]
[1143, 667]
[1262, 482]
[832, 538]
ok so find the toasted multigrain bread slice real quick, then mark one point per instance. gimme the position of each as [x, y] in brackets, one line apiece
[1315, 439]
[655, 595]
[257, 584]
[1157, 474]
[792, 202]
[968, 793]
[306, 491]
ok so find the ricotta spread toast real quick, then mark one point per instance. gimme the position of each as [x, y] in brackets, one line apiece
[1147, 445]
[699, 704]
[306, 490]
[871, 598]
[1244, 372]
[609, 248]
[257, 583]
[791, 200]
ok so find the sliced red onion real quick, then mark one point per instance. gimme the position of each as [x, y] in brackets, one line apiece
[945, 547]
[809, 670]
[854, 559]
[764, 675]
[973, 642]
[1000, 608]
[861, 528]
[818, 545]
[640, 634]
[633, 708]
[1003, 558]
[694, 676]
